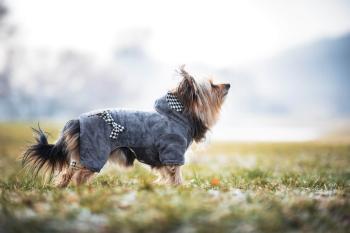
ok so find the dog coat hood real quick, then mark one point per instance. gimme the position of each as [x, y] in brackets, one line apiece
[159, 137]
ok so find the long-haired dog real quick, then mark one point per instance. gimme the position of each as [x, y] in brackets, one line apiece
[159, 138]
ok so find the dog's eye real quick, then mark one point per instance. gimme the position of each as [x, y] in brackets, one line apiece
[213, 85]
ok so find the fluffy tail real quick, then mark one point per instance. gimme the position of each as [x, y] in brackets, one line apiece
[51, 157]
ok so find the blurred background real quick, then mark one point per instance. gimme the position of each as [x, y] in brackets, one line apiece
[288, 62]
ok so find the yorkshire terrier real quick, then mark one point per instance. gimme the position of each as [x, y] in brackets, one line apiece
[159, 138]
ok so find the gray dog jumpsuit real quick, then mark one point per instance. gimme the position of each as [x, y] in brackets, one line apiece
[157, 138]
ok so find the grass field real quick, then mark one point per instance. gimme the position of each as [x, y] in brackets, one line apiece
[230, 187]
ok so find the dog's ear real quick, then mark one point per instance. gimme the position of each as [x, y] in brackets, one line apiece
[187, 89]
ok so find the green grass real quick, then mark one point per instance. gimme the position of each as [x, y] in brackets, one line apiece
[263, 187]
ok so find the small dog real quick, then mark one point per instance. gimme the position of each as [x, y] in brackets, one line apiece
[159, 138]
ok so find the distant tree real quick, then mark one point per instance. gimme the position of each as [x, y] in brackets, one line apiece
[3, 10]
[7, 31]
[4, 71]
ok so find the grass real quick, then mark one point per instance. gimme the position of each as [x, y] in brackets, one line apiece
[230, 187]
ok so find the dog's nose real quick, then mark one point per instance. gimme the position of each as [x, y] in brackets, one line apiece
[227, 86]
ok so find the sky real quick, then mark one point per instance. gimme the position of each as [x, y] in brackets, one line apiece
[220, 33]
[209, 35]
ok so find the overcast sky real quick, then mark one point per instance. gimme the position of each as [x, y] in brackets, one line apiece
[219, 33]
[206, 34]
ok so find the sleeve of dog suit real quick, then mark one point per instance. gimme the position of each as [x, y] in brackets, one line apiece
[172, 149]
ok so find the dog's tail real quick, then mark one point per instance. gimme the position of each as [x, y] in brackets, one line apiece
[52, 157]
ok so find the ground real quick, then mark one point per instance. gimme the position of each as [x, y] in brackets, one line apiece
[229, 187]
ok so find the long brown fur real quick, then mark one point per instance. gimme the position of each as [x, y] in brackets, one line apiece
[202, 103]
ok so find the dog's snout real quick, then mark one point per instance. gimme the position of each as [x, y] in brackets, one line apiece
[227, 86]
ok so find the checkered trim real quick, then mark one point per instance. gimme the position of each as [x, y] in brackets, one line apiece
[116, 128]
[73, 164]
[173, 102]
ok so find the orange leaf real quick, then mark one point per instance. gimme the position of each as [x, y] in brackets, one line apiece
[215, 182]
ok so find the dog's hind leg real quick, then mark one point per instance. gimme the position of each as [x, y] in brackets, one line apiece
[79, 176]
[76, 172]
[82, 176]
[64, 178]
[71, 140]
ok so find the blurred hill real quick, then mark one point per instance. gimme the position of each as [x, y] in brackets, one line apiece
[315, 77]
[301, 84]
[304, 91]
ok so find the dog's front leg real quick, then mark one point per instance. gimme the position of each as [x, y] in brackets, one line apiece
[174, 174]
[169, 174]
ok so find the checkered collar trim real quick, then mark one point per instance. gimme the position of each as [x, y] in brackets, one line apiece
[173, 102]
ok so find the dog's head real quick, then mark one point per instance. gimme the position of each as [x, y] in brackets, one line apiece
[202, 101]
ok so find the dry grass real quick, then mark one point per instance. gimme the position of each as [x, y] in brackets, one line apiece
[231, 187]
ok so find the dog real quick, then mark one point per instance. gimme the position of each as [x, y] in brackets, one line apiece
[159, 138]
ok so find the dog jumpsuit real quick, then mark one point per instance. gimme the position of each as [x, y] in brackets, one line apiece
[157, 138]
